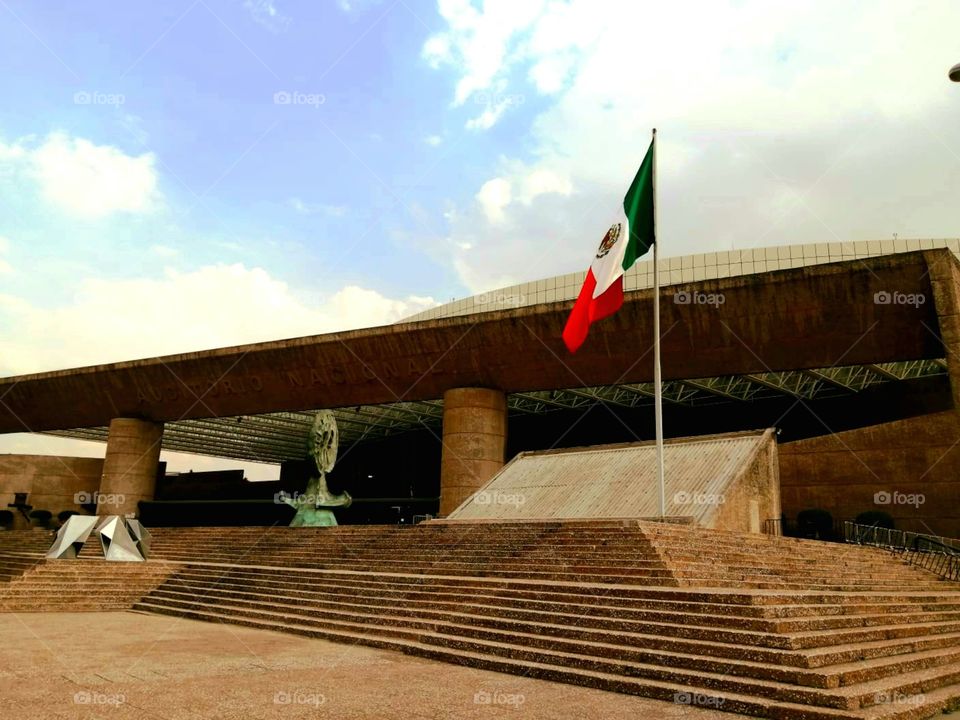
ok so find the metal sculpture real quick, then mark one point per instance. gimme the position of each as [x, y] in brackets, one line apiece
[122, 539]
[313, 504]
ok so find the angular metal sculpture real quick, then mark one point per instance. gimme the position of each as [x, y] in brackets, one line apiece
[142, 536]
[117, 544]
[71, 536]
[312, 505]
[122, 539]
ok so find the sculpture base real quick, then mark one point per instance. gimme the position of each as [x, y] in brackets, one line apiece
[313, 517]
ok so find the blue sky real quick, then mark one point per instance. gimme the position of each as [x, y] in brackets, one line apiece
[183, 174]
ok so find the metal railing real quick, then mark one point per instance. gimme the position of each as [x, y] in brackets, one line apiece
[937, 554]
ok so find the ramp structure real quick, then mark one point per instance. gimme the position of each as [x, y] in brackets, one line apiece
[725, 481]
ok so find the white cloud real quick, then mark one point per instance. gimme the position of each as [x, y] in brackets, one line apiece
[433, 140]
[493, 197]
[214, 306]
[87, 180]
[489, 117]
[542, 181]
[755, 102]
[478, 41]
[266, 14]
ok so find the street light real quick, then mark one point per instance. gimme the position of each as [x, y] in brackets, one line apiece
[955, 73]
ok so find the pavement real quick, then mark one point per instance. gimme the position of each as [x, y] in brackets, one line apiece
[128, 665]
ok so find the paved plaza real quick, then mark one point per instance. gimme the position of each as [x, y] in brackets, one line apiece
[126, 665]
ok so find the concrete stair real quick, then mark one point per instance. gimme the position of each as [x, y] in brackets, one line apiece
[90, 584]
[770, 627]
[21, 550]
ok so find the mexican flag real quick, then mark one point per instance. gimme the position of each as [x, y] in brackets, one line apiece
[629, 237]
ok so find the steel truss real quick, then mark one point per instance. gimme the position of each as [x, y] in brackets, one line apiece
[274, 437]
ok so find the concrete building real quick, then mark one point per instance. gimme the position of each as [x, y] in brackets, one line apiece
[848, 348]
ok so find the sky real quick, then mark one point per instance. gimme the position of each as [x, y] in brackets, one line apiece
[178, 175]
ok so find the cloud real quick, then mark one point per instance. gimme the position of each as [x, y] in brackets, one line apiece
[213, 306]
[433, 140]
[775, 126]
[266, 14]
[82, 179]
[478, 43]
[493, 197]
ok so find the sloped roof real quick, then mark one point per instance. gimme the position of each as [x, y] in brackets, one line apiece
[616, 481]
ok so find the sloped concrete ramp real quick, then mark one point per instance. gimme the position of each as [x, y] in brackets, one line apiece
[727, 481]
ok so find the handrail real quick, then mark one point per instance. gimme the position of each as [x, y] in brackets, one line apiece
[936, 554]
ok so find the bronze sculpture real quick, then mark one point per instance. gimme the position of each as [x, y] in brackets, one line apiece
[313, 504]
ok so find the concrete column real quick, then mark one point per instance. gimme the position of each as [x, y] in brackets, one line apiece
[944, 271]
[474, 442]
[130, 465]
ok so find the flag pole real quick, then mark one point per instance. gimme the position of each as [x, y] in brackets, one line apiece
[658, 390]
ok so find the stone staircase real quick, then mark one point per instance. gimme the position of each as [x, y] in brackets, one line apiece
[763, 626]
[31, 583]
[82, 585]
[20, 551]
[715, 558]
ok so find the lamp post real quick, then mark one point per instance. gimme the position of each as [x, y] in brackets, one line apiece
[955, 73]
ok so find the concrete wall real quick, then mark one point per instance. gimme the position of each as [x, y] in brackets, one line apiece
[754, 496]
[51, 481]
[842, 473]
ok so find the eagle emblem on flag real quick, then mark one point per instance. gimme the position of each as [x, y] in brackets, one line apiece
[610, 239]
